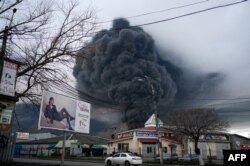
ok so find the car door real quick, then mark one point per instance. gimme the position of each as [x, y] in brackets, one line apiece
[115, 159]
[122, 158]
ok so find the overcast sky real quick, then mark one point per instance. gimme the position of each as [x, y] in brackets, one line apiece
[213, 41]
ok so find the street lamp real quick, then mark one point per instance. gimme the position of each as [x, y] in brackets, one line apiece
[154, 108]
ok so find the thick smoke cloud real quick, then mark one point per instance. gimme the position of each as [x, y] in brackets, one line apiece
[114, 67]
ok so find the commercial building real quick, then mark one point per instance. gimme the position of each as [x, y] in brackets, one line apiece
[211, 145]
[144, 141]
[239, 142]
[75, 145]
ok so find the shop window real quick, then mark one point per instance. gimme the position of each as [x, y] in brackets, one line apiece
[123, 147]
[149, 149]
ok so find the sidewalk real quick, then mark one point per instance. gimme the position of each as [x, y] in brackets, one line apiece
[53, 162]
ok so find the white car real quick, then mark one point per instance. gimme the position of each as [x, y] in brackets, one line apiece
[123, 159]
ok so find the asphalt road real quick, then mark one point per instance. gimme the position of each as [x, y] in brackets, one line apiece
[38, 162]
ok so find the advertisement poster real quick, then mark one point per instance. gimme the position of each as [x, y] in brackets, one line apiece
[7, 85]
[63, 113]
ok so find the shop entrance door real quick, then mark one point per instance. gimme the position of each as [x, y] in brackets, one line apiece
[148, 150]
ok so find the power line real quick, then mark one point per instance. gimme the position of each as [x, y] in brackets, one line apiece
[192, 13]
[169, 19]
[159, 11]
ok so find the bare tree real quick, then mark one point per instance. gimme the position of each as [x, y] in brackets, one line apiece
[44, 36]
[195, 122]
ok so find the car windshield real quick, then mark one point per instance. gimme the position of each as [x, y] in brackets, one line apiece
[131, 154]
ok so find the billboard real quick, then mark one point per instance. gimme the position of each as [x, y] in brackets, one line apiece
[8, 80]
[63, 113]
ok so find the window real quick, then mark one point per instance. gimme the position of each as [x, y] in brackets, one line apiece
[123, 155]
[149, 149]
[116, 155]
[123, 147]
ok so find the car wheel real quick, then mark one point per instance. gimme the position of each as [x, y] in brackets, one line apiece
[127, 163]
[109, 163]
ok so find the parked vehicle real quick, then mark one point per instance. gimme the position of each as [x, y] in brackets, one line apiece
[123, 159]
[167, 156]
[188, 157]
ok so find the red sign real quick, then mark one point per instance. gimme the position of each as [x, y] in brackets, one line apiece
[245, 146]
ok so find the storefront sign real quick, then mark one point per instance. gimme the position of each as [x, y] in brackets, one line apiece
[245, 146]
[125, 135]
[5, 116]
[22, 135]
[6, 109]
[146, 134]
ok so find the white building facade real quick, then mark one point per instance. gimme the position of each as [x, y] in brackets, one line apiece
[144, 141]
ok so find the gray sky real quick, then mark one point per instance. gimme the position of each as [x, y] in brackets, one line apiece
[213, 41]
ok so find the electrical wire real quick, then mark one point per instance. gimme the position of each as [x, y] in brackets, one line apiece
[174, 18]
[192, 13]
[159, 11]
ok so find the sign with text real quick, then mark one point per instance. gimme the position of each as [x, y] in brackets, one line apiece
[8, 80]
[22, 135]
[125, 135]
[64, 113]
[236, 157]
[5, 116]
[146, 134]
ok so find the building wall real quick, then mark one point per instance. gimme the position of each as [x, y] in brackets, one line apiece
[75, 149]
[178, 149]
[33, 149]
[238, 141]
[138, 147]
[210, 148]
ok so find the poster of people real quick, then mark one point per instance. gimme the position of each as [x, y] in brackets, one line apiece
[63, 113]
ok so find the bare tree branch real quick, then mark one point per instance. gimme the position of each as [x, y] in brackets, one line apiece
[45, 51]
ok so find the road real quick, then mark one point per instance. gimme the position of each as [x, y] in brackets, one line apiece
[42, 162]
[32, 162]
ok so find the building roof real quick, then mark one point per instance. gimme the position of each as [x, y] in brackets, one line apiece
[151, 121]
[87, 139]
[82, 139]
[151, 128]
[241, 136]
[172, 138]
[52, 140]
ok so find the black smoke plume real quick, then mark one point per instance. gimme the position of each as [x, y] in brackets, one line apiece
[120, 65]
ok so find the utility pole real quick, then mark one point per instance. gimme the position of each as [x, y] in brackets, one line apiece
[154, 108]
[8, 98]
[4, 43]
[3, 49]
